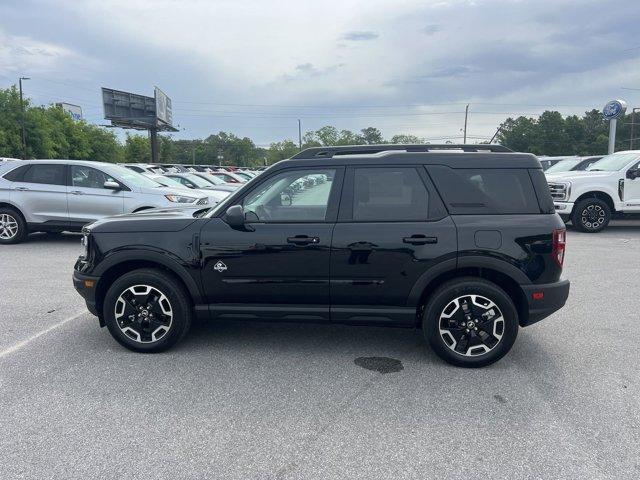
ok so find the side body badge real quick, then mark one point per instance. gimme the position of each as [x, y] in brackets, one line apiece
[220, 266]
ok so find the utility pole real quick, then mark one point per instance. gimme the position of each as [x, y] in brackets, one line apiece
[299, 135]
[633, 124]
[24, 133]
[466, 114]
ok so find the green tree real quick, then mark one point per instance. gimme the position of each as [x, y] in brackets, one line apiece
[281, 150]
[406, 139]
[371, 136]
[137, 149]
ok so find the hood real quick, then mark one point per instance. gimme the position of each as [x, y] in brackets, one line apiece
[172, 191]
[151, 220]
[576, 175]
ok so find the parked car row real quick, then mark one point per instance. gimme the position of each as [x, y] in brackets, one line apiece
[65, 195]
[605, 189]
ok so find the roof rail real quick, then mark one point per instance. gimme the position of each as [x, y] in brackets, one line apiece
[329, 152]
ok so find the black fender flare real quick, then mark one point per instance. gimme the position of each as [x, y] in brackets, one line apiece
[165, 259]
[467, 261]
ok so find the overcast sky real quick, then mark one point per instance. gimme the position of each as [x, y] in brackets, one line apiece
[255, 67]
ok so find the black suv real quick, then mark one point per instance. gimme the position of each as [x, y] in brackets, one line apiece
[460, 240]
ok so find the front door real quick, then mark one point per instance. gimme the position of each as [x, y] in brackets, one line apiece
[632, 191]
[391, 230]
[277, 266]
[88, 199]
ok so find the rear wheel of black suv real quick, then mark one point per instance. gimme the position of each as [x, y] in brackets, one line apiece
[591, 215]
[470, 322]
[13, 228]
[147, 310]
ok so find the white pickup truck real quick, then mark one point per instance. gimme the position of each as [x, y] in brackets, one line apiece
[589, 199]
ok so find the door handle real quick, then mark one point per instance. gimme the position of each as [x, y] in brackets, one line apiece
[76, 192]
[22, 189]
[420, 240]
[303, 240]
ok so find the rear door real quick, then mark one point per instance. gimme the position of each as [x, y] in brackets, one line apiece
[392, 229]
[41, 193]
[88, 199]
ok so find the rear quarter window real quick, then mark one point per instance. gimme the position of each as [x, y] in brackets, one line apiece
[485, 191]
[16, 174]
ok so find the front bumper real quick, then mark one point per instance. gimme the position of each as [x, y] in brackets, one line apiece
[563, 208]
[543, 300]
[86, 286]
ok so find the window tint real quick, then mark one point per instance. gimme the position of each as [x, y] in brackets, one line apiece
[485, 191]
[16, 174]
[389, 194]
[292, 196]
[88, 177]
[52, 174]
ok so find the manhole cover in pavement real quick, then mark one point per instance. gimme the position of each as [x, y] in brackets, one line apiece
[379, 364]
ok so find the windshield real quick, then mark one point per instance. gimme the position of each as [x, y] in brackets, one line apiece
[211, 179]
[168, 182]
[563, 166]
[197, 180]
[129, 177]
[613, 162]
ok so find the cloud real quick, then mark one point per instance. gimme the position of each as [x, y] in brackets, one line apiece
[360, 36]
[431, 29]
[211, 56]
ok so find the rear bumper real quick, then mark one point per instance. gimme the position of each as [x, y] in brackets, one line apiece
[86, 285]
[543, 300]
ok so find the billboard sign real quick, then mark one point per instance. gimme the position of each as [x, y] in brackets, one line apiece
[163, 107]
[74, 111]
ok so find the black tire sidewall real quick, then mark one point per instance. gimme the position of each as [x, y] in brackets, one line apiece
[22, 227]
[170, 288]
[576, 215]
[466, 286]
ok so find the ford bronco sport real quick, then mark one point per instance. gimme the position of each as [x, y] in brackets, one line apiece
[462, 241]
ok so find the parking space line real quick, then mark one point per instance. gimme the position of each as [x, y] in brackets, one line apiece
[24, 343]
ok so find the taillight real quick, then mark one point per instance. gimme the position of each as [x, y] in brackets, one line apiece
[559, 245]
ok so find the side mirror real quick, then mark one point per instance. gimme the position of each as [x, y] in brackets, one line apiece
[112, 186]
[234, 216]
[633, 173]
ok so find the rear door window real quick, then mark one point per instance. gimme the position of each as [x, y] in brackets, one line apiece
[389, 194]
[49, 174]
[485, 191]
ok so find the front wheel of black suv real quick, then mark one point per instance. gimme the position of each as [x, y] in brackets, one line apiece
[147, 311]
[591, 215]
[470, 322]
[13, 228]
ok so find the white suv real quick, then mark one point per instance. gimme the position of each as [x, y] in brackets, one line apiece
[590, 198]
[58, 195]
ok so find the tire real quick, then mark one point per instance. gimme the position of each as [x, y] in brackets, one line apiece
[591, 215]
[13, 228]
[153, 329]
[487, 339]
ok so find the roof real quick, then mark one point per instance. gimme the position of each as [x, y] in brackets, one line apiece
[455, 156]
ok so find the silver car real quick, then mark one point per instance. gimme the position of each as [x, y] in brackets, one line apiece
[58, 195]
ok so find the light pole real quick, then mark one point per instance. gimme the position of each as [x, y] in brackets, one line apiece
[24, 133]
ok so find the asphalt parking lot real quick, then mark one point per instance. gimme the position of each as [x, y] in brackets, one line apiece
[270, 401]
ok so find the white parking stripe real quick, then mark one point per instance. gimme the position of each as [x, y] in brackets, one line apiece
[24, 343]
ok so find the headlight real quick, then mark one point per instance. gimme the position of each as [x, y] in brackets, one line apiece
[180, 198]
[84, 241]
[560, 191]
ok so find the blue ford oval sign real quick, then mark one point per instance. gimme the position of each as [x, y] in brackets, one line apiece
[614, 109]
